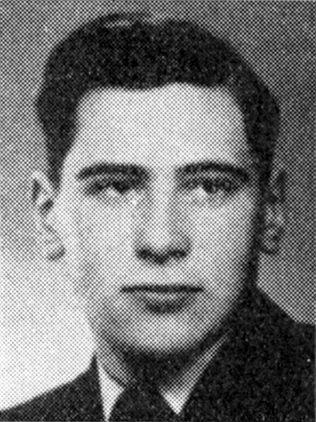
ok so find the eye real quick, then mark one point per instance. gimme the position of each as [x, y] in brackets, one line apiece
[210, 189]
[112, 187]
[212, 186]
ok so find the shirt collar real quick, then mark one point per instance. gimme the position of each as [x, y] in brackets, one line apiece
[110, 391]
[176, 393]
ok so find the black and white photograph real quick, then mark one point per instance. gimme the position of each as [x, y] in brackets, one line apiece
[157, 211]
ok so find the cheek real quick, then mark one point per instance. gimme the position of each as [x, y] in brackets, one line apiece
[224, 241]
[67, 228]
[104, 230]
[104, 242]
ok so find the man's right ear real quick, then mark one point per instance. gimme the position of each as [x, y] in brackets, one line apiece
[43, 196]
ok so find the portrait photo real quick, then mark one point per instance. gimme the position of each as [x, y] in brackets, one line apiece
[157, 214]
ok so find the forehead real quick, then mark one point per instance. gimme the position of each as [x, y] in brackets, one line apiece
[162, 127]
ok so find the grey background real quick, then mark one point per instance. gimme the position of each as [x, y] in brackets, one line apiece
[277, 38]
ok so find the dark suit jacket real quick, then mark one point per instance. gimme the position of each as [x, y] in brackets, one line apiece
[263, 373]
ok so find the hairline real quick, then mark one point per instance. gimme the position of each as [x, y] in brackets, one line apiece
[100, 89]
[231, 84]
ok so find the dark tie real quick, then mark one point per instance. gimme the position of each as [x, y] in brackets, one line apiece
[142, 403]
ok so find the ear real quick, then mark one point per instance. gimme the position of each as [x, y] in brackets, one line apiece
[43, 197]
[274, 215]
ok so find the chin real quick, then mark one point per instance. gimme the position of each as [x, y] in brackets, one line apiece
[162, 348]
[160, 351]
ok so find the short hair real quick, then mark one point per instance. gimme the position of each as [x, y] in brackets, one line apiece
[137, 52]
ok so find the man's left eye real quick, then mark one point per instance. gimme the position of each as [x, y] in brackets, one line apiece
[210, 185]
[210, 190]
[121, 187]
[214, 186]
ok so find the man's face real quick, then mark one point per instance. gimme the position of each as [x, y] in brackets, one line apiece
[157, 208]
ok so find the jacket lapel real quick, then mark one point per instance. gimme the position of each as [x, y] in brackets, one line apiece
[82, 400]
[250, 379]
[236, 386]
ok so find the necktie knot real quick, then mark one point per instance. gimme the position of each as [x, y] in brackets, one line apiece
[142, 402]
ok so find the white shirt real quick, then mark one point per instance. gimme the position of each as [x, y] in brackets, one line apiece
[176, 393]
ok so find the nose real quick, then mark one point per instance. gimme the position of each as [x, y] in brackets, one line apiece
[162, 237]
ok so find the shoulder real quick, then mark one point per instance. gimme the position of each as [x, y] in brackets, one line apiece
[284, 358]
[275, 337]
[282, 333]
[293, 358]
[47, 406]
[75, 401]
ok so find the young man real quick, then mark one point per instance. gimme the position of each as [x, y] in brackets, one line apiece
[160, 196]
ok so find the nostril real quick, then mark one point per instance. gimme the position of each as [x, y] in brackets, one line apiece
[144, 254]
[178, 254]
[161, 257]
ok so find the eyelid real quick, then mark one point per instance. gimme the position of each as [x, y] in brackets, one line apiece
[106, 181]
[117, 177]
[206, 176]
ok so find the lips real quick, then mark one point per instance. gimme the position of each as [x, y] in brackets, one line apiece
[163, 298]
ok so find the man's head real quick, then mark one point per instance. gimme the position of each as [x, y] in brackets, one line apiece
[160, 141]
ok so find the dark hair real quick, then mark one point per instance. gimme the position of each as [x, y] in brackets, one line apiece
[133, 51]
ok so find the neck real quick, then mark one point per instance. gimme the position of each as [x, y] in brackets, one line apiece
[170, 372]
[114, 364]
[186, 376]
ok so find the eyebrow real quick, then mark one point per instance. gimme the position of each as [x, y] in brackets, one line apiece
[207, 166]
[131, 170]
[111, 168]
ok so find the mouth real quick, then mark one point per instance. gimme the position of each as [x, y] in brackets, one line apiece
[163, 298]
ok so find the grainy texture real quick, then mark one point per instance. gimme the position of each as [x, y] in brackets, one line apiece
[277, 38]
[233, 388]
